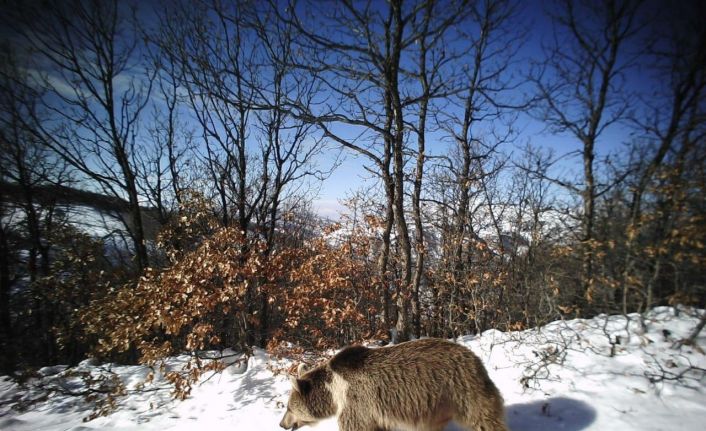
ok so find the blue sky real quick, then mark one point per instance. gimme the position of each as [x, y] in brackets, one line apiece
[350, 174]
[534, 17]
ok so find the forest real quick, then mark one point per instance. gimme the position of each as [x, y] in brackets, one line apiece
[519, 163]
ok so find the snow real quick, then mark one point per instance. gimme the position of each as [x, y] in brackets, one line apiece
[577, 385]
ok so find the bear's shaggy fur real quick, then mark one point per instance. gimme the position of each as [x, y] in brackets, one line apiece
[418, 385]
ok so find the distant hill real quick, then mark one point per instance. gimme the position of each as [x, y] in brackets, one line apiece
[73, 197]
[50, 193]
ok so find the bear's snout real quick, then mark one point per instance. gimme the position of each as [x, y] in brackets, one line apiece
[288, 421]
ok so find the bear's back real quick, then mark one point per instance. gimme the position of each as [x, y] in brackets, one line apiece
[413, 381]
[431, 352]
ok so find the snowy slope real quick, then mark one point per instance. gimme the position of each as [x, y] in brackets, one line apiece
[575, 384]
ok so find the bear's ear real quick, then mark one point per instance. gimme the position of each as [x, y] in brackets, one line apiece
[300, 385]
[301, 369]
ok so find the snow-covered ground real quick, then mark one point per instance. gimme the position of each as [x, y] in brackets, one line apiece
[559, 377]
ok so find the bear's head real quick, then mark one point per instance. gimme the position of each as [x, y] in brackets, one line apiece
[310, 399]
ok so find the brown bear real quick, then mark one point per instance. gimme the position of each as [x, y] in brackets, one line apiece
[417, 385]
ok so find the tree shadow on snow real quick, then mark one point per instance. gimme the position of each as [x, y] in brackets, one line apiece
[556, 413]
[252, 390]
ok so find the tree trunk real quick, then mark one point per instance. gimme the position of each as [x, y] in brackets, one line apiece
[138, 233]
[587, 239]
[383, 260]
[419, 234]
[418, 178]
[403, 297]
[7, 357]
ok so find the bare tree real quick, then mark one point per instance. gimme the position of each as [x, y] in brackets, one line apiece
[433, 70]
[217, 71]
[355, 54]
[236, 78]
[532, 199]
[475, 124]
[28, 216]
[359, 53]
[288, 146]
[578, 90]
[7, 360]
[213, 51]
[166, 170]
[87, 59]
[678, 56]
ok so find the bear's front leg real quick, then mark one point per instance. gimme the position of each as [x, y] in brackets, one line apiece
[352, 420]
